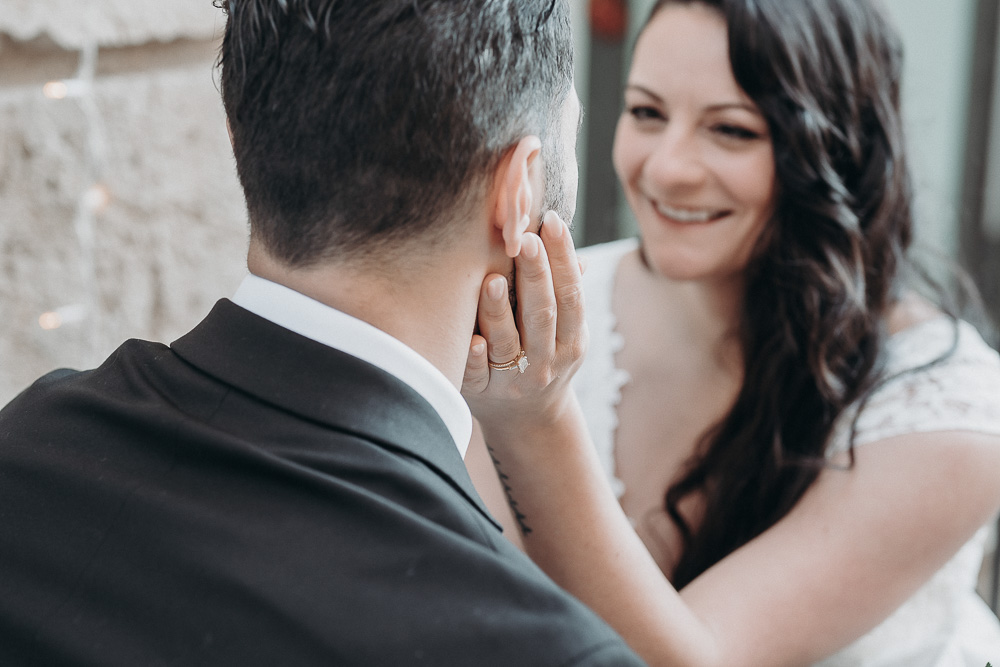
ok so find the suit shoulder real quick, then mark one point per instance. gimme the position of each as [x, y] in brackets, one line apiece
[611, 653]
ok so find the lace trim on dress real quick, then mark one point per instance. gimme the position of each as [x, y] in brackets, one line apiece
[599, 381]
[961, 392]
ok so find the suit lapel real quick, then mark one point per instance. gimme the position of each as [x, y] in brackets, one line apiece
[325, 385]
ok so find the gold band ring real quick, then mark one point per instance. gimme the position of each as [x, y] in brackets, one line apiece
[520, 362]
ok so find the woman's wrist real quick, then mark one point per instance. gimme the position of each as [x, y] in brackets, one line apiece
[537, 432]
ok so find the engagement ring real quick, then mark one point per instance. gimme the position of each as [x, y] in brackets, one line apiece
[520, 362]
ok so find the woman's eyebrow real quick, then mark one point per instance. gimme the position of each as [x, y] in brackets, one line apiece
[719, 106]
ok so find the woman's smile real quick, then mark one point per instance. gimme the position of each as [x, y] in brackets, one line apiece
[692, 151]
[689, 215]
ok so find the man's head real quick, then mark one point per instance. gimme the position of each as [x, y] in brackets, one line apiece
[364, 124]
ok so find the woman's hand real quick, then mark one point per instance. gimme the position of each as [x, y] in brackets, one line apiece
[549, 331]
[569, 520]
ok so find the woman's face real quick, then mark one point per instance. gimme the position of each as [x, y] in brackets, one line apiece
[692, 151]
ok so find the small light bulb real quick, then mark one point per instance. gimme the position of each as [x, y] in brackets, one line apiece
[98, 198]
[60, 90]
[56, 90]
[71, 314]
[50, 320]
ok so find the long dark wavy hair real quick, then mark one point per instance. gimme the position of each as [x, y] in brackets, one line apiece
[825, 74]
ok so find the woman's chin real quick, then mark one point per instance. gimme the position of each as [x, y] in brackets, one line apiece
[687, 266]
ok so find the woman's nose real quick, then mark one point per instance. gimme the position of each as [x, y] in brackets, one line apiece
[676, 159]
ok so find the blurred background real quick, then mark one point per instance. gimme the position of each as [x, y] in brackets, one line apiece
[949, 107]
[121, 216]
[120, 213]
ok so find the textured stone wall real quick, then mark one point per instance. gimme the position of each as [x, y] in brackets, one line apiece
[120, 213]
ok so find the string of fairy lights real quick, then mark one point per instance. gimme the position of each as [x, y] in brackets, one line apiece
[608, 17]
[91, 202]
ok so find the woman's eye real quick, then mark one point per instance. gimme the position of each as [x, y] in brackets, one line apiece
[737, 132]
[640, 112]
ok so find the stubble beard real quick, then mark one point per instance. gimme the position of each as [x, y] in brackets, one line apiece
[554, 199]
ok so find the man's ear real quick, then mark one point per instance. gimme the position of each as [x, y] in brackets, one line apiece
[519, 182]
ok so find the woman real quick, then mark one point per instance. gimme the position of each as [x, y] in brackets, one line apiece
[784, 434]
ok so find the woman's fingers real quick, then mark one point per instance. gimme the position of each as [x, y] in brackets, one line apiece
[536, 302]
[477, 372]
[549, 325]
[496, 321]
[567, 272]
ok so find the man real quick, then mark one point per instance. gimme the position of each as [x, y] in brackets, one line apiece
[284, 484]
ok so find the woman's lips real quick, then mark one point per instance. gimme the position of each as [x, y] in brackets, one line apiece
[689, 215]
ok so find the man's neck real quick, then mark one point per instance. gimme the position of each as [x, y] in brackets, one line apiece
[432, 310]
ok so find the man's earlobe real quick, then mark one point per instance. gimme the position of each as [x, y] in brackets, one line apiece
[519, 183]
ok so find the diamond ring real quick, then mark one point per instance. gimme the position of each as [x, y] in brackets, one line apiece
[520, 362]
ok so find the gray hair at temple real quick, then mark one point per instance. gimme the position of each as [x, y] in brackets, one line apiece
[360, 125]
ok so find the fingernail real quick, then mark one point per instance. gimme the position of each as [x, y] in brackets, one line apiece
[529, 246]
[554, 225]
[496, 289]
[583, 265]
[479, 349]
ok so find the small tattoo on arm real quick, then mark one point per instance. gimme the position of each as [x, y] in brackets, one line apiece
[519, 516]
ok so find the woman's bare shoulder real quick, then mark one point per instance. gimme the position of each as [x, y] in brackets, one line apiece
[910, 310]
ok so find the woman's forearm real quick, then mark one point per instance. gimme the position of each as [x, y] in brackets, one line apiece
[574, 529]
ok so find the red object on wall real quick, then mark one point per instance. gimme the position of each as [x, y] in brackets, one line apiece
[609, 19]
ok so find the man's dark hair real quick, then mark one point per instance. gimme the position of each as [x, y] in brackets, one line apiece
[358, 123]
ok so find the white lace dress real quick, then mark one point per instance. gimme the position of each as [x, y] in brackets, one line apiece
[945, 624]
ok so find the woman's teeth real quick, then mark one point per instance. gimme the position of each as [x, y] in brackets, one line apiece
[687, 215]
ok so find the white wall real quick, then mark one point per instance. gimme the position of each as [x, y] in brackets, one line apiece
[581, 33]
[938, 43]
[120, 212]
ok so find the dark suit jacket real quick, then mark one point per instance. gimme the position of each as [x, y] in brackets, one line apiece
[248, 496]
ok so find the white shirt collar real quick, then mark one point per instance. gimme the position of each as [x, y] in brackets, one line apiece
[310, 318]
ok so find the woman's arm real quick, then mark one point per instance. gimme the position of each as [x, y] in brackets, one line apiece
[479, 463]
[857, 545]
[538, 442]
